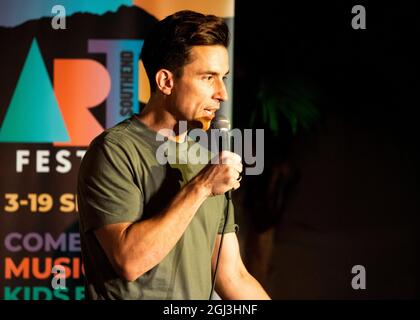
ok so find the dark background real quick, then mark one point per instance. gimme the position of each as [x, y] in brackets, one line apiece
[357, 198]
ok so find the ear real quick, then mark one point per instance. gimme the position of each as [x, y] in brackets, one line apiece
[164, 81]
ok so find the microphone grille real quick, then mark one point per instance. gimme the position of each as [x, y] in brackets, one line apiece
[221, 123]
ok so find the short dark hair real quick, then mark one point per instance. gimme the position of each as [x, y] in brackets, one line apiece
[169, 43]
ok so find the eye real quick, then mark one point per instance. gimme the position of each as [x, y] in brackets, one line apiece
[209, 77]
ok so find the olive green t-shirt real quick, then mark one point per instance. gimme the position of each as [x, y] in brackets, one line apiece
[121, 180]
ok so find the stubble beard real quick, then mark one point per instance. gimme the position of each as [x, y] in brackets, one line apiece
[200, 123]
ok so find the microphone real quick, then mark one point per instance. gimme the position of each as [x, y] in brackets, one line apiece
[222, 124]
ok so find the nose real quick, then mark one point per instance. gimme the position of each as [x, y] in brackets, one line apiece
[220, 91]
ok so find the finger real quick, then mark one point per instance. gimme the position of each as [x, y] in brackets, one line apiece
[238, 167]
[234, 173]
[234, 157]
[237, 185]
[237, 158]
[227, 157]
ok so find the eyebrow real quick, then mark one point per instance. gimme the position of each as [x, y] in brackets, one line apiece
[214, 73]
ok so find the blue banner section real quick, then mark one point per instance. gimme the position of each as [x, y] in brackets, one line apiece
[121, 62]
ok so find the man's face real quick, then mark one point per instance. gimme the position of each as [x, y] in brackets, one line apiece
[197, 94]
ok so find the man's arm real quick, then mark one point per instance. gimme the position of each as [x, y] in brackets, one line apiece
[135, 248]
[233, 281]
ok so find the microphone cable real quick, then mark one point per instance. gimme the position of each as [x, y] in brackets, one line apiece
[229, 200]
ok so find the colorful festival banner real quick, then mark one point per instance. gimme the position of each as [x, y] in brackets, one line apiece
[69, 71]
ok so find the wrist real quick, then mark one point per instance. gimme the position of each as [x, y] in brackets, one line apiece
[199, 186]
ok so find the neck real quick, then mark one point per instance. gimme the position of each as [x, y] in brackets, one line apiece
[157, 117]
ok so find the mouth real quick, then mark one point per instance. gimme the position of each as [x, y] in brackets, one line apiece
[210, 112]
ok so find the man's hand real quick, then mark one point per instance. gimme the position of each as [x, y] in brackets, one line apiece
[221, 174]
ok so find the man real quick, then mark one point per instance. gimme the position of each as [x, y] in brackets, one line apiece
[152, 231]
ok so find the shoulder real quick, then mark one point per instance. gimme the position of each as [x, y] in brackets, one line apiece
[126, 136]
[118, 135]
[114, 145]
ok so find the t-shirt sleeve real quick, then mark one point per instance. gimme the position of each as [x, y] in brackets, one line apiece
[231, 226]
[107, 191]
